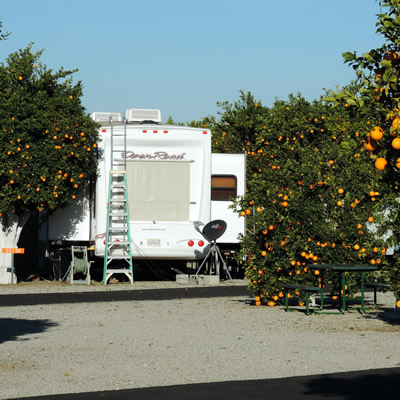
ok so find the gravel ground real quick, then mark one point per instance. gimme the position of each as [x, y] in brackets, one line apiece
[69, 348]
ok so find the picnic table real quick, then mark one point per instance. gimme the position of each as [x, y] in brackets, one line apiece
[342, 270]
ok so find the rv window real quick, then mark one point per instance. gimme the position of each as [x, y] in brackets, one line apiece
[223, 187]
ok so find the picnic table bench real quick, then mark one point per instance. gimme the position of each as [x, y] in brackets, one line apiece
[306, 289]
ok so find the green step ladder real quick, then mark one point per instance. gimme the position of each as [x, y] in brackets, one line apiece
[118, 250]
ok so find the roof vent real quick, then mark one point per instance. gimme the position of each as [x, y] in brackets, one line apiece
[105, 116]
[142, 115]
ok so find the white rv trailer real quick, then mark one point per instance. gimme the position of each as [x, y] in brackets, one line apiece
[169, 189]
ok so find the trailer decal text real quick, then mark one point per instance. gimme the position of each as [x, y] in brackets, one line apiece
[158, 155]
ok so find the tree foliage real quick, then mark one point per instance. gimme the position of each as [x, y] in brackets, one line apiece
[311, 188]
[3, 36]
[48, 145]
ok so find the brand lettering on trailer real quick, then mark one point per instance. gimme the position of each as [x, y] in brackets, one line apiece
[157, 155]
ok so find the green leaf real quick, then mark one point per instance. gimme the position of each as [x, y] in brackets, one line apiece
[348, 56]
[345, 145]
[386, 63]
[329, 99]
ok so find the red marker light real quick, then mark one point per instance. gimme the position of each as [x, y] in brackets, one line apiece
[104, 130]
[190, 243]
[201, 243]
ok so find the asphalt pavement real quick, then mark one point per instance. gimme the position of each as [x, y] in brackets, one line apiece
[376, 384]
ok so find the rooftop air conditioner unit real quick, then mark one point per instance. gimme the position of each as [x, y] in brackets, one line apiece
[105, 116]
[142, 115]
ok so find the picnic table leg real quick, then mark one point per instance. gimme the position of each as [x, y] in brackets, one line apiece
[343, 291]
[363, 310]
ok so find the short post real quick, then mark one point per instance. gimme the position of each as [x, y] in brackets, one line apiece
[13, 251]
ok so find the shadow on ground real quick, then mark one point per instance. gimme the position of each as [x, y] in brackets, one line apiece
[13, 328]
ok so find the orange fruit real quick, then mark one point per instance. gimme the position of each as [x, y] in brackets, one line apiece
[242, 213]
[284, 204]
[340, 191]
[380, 163]
[257, 298]
[396, 143]
[248, 211]
[271, 303]
[356, 247]
[398, 163]
[396, 123]
[339, 203]
[398, 304]
[391, 56]
[259, 209]
[263, 253]
[370, 144]
[258, 303]
[371, 219]
[376, 133]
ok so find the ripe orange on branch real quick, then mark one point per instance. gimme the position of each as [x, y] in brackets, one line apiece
[396, 123]
[376, 133]
[380, 163]
[396, 143]
[370, 144]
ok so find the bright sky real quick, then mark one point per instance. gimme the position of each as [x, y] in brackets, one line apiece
[183, 56]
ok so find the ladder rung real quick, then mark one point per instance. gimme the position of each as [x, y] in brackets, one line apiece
[117, 172]
[120, 270]
[122, 229]
[118, 243]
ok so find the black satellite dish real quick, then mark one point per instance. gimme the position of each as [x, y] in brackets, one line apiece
[211, 232]
[214, 230]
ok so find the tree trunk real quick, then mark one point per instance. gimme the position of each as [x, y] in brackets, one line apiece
[11, 224]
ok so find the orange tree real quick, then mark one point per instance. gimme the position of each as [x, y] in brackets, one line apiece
[310, 189]
[378, 72]
[48, 145]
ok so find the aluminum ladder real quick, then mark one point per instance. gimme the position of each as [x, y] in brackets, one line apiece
[118, 245]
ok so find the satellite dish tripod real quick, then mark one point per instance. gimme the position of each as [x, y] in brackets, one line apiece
[211, 232]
